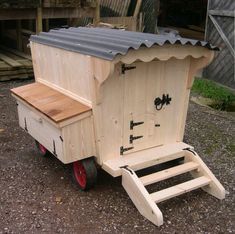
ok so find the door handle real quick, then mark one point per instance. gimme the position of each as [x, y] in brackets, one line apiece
[160, 102]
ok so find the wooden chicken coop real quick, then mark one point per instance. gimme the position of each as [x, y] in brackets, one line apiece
[119, 99]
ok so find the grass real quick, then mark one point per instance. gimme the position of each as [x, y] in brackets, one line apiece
[223, 97]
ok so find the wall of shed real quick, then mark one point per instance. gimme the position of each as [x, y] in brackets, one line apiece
[222, 68]
[133, 94]
[66, 71]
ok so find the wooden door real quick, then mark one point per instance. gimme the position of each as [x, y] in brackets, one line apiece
[141, 86]
[220, 25]
[144, 125]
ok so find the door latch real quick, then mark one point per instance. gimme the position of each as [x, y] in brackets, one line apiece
[160, 102]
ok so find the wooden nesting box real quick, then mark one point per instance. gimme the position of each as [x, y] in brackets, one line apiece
[122, 98]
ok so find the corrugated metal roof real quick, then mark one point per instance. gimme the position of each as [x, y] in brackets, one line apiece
[107, 43]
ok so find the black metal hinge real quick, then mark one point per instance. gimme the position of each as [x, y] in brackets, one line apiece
[133, 124]
[25, 125]
[190, 150]
[122, 149]
[54, 149]
[124, 68]
[133, 138]
[127, 168]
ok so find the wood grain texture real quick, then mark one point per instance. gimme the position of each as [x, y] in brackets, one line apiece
[140, 197]
[55, 105]
[67, 72]
[216, 189]
[180, 189]
[145, 158]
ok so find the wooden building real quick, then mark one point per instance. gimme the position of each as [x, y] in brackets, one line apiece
[119, 99]
[220, 30]
[210, 20]
[20, 19]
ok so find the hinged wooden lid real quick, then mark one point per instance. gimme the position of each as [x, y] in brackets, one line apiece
[55, 105]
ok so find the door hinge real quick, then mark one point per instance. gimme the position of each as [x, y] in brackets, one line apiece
[160, 102]
[122, 149]
[133, 124]
[124, 68]
[25, 125]
[190, 150]
[127, 168]
[133, 138]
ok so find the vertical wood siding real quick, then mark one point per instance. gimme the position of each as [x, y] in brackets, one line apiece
[222, 68]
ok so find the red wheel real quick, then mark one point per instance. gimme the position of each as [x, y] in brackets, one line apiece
[85, 173]
[42, 149]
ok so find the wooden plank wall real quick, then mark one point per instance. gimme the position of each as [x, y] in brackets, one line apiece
[130, 23]
[14, 65]
[222, 68]
[71, 76]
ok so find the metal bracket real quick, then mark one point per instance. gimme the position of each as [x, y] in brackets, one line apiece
[54, 149]
[25, 125]
[122, 149]
[127, 168]
[124, 68]
[133, 138]
[133, 124]
[190, 150]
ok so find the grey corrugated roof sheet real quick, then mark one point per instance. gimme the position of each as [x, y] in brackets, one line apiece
[107, 43]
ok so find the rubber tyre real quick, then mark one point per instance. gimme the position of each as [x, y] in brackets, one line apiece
[42, 150]
[84, 173]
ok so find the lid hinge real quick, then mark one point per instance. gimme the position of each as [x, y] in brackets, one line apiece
[25, 125]
[54, 149]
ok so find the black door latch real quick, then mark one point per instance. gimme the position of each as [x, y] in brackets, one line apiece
[160, 102]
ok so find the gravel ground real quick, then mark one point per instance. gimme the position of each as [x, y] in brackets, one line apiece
[37, 194]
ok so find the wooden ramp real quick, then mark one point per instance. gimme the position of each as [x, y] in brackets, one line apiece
[147, 203]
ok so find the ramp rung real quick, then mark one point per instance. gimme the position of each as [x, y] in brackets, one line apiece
[180, 189]
[168, 173]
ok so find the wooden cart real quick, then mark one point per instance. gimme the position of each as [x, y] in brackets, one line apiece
[119, 99]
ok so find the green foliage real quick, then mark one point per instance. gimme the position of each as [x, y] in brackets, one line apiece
[222, 96]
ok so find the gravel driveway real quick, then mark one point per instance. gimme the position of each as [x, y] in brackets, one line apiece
[37, 194]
